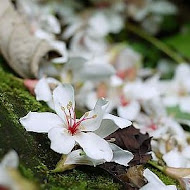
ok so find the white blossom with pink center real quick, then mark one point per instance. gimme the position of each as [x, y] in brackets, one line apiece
[65, 130]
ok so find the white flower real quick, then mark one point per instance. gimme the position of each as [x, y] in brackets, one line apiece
[154, 182]
[135, 93]
[127, 62]
[65, 130]
[10, 161]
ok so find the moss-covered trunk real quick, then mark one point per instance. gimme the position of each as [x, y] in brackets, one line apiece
[33, 149]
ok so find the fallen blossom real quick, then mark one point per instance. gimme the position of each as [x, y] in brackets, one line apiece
[65, 130]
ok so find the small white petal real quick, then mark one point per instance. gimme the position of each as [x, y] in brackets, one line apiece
[129, 111]
[110, 124]
[107, 127]
[139, 90]
[61, 141]
[61, 47]
[120, 122]
[153, 178]
[154, 181]
[40, 122]
[184, 104]
[175, 159]
[115, 81]
[96, 71]
[170, 100]
[62, 96]
[120, 156]
[78, 157]
[91, 100]
[94, 146]
[182, 71]
[42, 90]
[98, 113]
[10, 160]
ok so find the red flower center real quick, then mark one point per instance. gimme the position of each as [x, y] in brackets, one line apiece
[72, 123]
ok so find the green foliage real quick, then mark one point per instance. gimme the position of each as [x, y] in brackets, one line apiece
[169, 24]
[150, 57]
[177, 113]
[180, 42]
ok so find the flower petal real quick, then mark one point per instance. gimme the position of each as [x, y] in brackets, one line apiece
[170, 101]
[110, 124]
[80, 158]
[40, 122]
[94, 146]
[10, 160]
[129, 111]
[98, 113]
[62, 96]
[184, 104]
[120, 122]
[61, 141]
[120, 156]
[175, 159]
[91, 100]
[139, 90]
[42, 90]
[96, 71]
[154, 181]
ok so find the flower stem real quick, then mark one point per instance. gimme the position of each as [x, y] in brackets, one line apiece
[155, 164]
[157, 43]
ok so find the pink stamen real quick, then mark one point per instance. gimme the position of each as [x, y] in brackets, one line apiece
[72, 124]
[153, 126]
